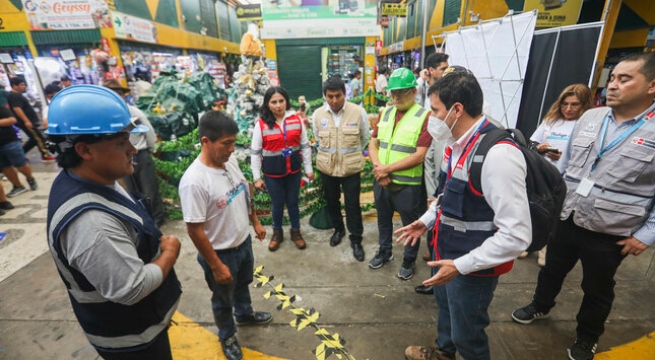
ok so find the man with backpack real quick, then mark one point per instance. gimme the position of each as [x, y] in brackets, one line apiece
[608, 212]
[479, 231]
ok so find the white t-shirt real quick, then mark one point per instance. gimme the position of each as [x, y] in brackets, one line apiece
[219, 199]
[557, 135]
[381, 83]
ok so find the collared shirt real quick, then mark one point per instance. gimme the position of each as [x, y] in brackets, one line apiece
[364, 127]
[257, 144]
[503, 184]
[645, 234]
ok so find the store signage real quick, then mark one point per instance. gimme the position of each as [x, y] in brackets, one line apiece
[134, 28]
[650, 39]
[555, 13]
[397, 47]
[66, 14]
[384, 22]
[394, 10]
[249, 12]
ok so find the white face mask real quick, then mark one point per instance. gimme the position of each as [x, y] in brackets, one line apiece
[439, 129]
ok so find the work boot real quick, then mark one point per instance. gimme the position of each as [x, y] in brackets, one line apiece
[276, 239]
[297, 239]
[427, 353]
[231, 348]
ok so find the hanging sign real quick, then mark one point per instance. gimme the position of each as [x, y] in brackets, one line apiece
[394, 10]
[249, 12]
[134, 28]
[66, 14]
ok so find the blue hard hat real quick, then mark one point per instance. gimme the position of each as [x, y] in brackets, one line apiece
[90, 109]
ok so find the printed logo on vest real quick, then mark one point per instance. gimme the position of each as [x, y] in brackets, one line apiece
[590, 127]
[324, 123]
[643, 142]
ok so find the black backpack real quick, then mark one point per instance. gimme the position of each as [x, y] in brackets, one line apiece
[545, 185]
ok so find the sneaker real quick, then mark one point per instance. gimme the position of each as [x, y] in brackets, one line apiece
[406, 271]
[33, 185]
[6, 205]
[379, 260]
[425, 353]
[256, 318]
[528, 314]
[48, 158]
[231, 348]
[17, 190]
[582, 350]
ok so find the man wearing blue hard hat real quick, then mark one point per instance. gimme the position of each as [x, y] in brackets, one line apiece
[114, 261]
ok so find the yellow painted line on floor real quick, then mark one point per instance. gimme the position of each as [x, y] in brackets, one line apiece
[190, 341]
[643, 348]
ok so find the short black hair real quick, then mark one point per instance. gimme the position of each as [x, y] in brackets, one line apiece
[334, 83]
[51, 89]
[67, 157]
[648, 68]
[383, 70]
[216, 124]
[459, 85]
[433, 60]
[17, 80]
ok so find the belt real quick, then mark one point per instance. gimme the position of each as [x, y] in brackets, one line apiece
[234, 249]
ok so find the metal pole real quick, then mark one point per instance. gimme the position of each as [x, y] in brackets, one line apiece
[424, 29]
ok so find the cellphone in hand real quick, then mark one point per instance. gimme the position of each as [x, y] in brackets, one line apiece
[551, 149]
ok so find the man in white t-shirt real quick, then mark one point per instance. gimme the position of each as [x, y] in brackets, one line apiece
[217, 205]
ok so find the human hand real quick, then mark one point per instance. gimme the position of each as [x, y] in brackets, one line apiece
[170, 243]
[28, 124]
[541, 148]
[385, 181]
[380, 171]
[222, 274]
[411, 232]
[447, 272]
[259, 185]
[311, 176]
[554, 155]
[632, 246]
[260, 231]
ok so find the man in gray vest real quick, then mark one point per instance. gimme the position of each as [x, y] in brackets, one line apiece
[341, 129]
[608, 212]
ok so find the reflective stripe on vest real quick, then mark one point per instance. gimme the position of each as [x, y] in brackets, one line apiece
[609, 195]
[464, 226]
[277, 153]
[403, 138]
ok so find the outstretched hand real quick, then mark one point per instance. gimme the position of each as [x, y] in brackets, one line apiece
[411, 233]
[447, 272]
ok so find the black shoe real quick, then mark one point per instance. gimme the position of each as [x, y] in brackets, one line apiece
[528, 314]
[256, 318]
[582, 350]
[231, 348]
[335, 239]
[424, 290]
[358, 251]
[6, 205]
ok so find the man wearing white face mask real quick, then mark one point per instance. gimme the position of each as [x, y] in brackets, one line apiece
[397, 150]
[478, 231]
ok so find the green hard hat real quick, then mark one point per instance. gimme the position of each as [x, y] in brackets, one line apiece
[402, 78]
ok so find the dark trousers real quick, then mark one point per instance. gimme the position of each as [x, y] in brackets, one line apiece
[144, 181]
[409, 204]
[159, 349]
[351, 186]
[600, 257]
[234, 295]
[36, 138]
[284, 190]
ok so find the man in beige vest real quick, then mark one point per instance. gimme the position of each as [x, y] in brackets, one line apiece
[608, 212]
[342, 131]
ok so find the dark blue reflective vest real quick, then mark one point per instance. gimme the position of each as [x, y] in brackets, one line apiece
[465, 220]
[105, 319]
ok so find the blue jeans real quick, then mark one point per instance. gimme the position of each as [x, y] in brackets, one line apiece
[236, 294]
[284, 190]
[463, 315]
[11, 154]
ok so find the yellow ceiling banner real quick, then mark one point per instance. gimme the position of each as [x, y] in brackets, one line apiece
[553, 13]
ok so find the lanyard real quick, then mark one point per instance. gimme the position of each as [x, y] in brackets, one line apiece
[284, 131]
[619, 139]
[464, 153]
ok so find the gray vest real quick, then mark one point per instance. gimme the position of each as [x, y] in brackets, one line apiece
[624, 180]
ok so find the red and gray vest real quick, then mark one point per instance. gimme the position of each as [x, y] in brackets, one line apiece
[464, 220]
[274, 163]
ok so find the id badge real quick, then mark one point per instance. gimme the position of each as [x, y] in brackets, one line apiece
[287, 152]
[585, 187]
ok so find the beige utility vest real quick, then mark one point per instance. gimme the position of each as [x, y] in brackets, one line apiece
[340, 148]
[624, 180]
